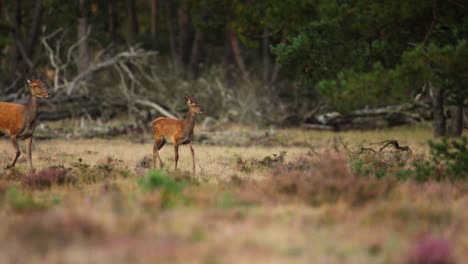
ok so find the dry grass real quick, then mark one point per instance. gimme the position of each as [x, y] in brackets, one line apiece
[86, 204]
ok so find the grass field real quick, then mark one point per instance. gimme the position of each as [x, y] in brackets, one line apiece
[96, 201]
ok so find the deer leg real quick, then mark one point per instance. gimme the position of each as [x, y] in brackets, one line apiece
[157, 147]
[176, 155]
[29, 146]
[14, 141]
[193, 158]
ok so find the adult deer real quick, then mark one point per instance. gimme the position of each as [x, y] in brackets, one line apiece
[18, 121]
[179, 132]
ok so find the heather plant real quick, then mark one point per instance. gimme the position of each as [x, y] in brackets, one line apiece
[430, 250]
[45, 178]
[105, 169]
[54, 229]
[326, 180]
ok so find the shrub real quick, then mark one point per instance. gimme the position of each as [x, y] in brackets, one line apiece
[451, 156]
[380, 164]
[449, 160]
[47, 177]
[103, 170]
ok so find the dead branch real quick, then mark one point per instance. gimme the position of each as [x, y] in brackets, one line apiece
[122, 56]
[348, 151]
[395, 144]
[156, 107]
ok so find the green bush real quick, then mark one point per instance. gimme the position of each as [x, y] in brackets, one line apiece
[451, 157]
[449, 160]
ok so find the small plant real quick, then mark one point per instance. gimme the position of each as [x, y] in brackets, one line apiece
[171, 189]
[158, 179]
[145, 162]
[267, 162]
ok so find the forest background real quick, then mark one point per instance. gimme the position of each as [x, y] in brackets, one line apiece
[253, 62]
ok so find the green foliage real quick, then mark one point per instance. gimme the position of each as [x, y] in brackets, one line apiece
[158, 179]
[353, 90]
[228, 200]
[452, 156]
[20, 201]
[449, 160]
[170, 189]
[359, 53]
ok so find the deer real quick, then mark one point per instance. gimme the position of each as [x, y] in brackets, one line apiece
[179, 132]
[18, 121]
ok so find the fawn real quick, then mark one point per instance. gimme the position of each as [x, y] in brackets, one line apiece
[179, 132]
[18, 121]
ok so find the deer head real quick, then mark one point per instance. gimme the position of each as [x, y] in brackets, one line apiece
[193, 105]
[38, 88]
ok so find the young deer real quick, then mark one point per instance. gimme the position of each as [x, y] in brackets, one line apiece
[176, 131]
[19, 121]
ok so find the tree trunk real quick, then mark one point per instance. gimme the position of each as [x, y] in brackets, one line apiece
[83, 54]
[154, 17]
[17, 31]
[196, 53]
[236, 53]
[172, 36]
[455, 125]
[438, 124]
[228, 62]
[266, 55]
[33, 35]
[111, 26]
[133, 20]
[183, 20]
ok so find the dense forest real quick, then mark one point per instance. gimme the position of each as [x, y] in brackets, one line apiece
[263, 62]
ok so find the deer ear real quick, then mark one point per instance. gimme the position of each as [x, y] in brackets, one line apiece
[187, 98]
[28, 81]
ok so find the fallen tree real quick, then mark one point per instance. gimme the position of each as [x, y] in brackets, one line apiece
[370, 118]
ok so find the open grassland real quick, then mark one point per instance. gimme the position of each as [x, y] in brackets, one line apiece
[97, 201]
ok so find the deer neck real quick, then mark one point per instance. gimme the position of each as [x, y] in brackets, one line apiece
[31, 112]
[189, 125]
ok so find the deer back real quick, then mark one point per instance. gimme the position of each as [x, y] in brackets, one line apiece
[168, 127]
